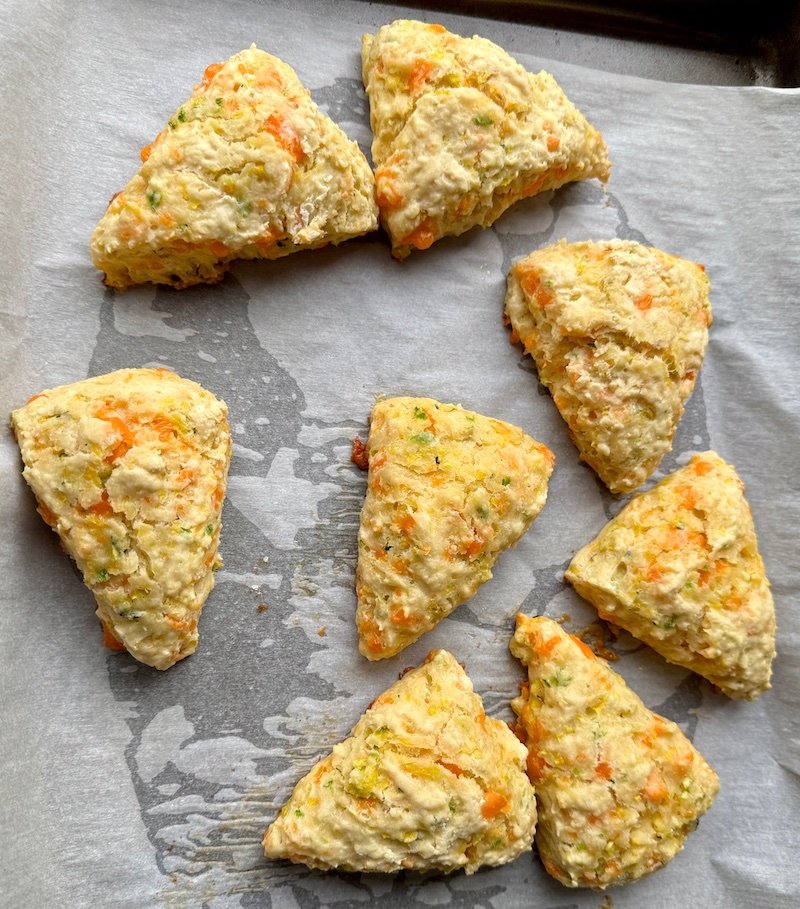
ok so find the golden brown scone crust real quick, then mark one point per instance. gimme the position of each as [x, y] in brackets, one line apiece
[679, 568]
[462, 131]
[129, 469]
[448, 490]
[618, 332]
[426, 781]
[247, 168]
[618, 787]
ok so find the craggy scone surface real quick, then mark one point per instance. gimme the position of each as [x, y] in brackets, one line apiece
[618, 332]
[679, 568]
[448, 490]
[462, 131]
[247, 168]
[618, 787]
[129, 469]
[426, 781]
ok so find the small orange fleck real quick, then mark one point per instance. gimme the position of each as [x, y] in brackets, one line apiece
[359, 455]
[322, 631]
[586, 650]
[262, 607]
[210, 71]
[493, 803]
[603, 770]
[644, 302]
[145, 153]
[701, 467]
[553, 143]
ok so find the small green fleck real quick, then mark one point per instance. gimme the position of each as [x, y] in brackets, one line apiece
[383, 730]
[102, 575]
[209, 529]
[187, 530]
[452, 805]
[506, 481]
[670, 622]
[328, 784]
[172, 124]
[470, 418]
[482, 512]
[298, 813]
[153, 198]
[424, 438]
[559, 680]
[688, 585]
[181, 116]
[483, 120]
[420, 414]
[496, 843]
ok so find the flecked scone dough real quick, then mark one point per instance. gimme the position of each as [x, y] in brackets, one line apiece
[448, 490]
[462, 131]
[129, 469]
[618, 787]
[248, 168]
[426, 781]
[679, 568]
[618, 332]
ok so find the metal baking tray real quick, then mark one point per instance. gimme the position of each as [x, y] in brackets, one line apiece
[713, 42]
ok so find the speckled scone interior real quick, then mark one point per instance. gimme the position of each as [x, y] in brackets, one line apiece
[462, 131]
[448, 490]
[618, 332]
[679, 568]
[247, 168]
[129, 469]
[618, 787]
[426, 781]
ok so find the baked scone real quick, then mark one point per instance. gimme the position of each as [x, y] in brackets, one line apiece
[129, 469]
[448, 490]
[679, 568]
[247, 168]
[618, 787]
[618, 332]
[426, 781]
[462, 131]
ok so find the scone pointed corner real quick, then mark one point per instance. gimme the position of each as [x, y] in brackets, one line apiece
[247, 168]
[426, 781]
[462, 131]
[448, 490]
[619, 787]
[618, 332]
[679, 568]
[129, 469]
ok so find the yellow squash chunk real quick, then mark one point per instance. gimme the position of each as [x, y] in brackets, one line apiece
[426, 781]
[618, 787]
[129, 469]
[247, 168]
[618, 332]
[448, 490]
[462, 131]
[679, 568]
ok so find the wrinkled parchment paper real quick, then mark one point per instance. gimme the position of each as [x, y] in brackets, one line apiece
[127, 787]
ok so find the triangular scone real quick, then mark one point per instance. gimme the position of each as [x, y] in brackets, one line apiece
[426, 781]
[129, 469]
[679, 568]
[448, 490]
[247, 168]
[618, 332]
[618, 787]
[462, 131]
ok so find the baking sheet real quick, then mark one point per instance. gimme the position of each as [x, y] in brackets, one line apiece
[128, 787]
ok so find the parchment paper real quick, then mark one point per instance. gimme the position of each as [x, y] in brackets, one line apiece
[127, 787]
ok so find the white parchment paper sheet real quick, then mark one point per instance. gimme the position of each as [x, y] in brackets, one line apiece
[126, 787]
